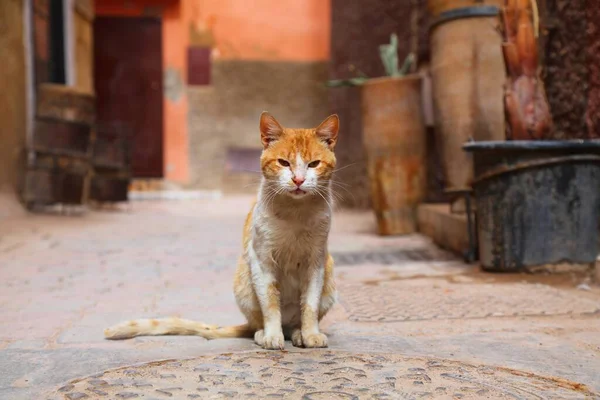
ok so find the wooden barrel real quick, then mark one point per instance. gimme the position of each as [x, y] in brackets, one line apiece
[468, 74]
[395, 142]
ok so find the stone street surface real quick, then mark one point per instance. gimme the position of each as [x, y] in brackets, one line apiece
[412, 322]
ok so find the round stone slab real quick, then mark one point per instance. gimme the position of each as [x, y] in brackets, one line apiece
[317, 375]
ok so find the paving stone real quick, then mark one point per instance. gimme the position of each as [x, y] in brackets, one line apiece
[98, 392]
[76, 396]
[435, 299]
[127, 395]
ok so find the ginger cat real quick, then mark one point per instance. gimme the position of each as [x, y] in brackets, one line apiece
[284, 282]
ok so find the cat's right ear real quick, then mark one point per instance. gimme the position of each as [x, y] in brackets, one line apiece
[270, 129]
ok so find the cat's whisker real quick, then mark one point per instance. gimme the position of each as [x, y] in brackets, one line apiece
[250, 170]
[273, 194]
[270, 196]
[345, 166]
[257, 181]
[318, 190]
[250, 184]
[337, 196]
[345, 190]
[340, 183]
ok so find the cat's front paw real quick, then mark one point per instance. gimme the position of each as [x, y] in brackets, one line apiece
[274, 342]
[271, 341]
[314, 340]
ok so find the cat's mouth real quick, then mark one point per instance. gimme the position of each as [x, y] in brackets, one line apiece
[298, 192]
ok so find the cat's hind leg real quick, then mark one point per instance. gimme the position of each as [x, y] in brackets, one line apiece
[245, 296]
[296, 337]
[329, 292]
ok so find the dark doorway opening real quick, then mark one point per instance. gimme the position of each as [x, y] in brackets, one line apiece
[49, 41]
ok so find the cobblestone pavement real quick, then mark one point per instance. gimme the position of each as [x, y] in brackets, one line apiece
[411, 309]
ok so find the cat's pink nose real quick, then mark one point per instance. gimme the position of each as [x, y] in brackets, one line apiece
[298, 181]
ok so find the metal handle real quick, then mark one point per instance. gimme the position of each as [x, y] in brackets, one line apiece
[532, 164]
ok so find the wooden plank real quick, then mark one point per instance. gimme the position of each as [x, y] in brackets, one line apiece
[66, 103]
[41, 40]
[110, 153]
[85, 8]
[68, 187]
[43, 187]
[61, 138]
[84, 47]
[109, 188]
[37, 188]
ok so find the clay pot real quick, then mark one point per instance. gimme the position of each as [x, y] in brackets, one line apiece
[395, 142]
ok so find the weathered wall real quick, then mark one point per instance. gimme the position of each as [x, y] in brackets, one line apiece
[226, 113]
[593, 61]
[358, 28]
[566, 77]
[571, 65]
[271, 56]
[13, 85]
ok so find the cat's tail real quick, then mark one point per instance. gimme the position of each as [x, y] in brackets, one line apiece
[175, 326]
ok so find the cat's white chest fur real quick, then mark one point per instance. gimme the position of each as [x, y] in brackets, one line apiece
[293, 242]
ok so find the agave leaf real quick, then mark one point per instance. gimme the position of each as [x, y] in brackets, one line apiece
[408, 62]
[389, 56]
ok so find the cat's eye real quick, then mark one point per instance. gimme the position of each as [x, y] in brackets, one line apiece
[283, 162]
[314, 164]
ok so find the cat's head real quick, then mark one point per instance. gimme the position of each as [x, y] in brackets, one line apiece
[298, 162]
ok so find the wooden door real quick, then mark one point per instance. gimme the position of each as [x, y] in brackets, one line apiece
[128, 84]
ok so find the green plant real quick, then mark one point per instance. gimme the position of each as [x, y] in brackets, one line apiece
[389, 58]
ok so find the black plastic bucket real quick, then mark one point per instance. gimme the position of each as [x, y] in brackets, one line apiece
[538, 203]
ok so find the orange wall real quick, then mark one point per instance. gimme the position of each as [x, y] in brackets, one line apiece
[174, 42]
[270, 30]
[285, 30]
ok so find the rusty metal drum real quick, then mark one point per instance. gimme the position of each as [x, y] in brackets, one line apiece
[538, 203]
[395, 142]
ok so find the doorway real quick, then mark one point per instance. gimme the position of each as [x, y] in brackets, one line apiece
[129, 90]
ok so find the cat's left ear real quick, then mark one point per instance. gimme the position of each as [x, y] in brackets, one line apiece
[328, 130]
[270, 129]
